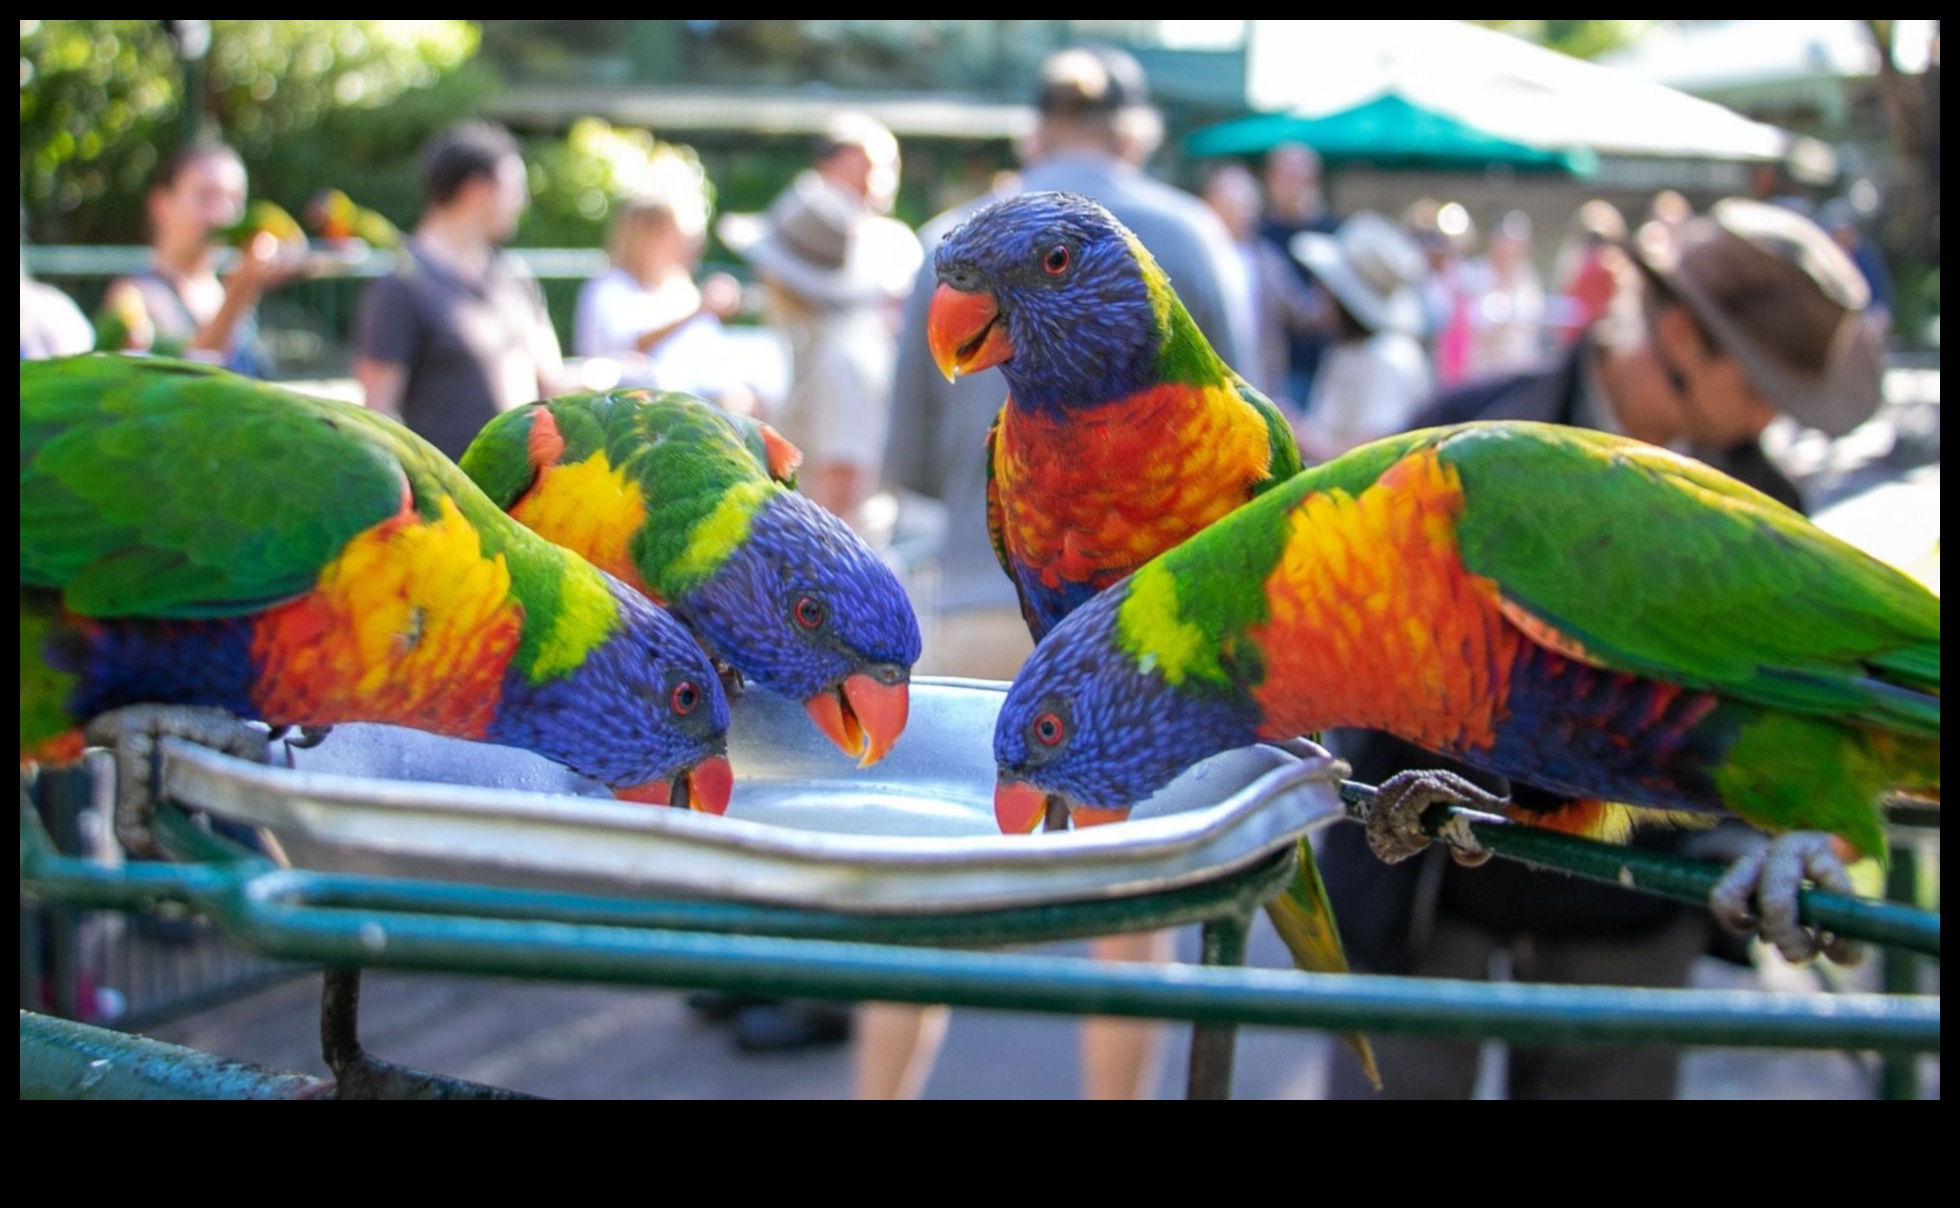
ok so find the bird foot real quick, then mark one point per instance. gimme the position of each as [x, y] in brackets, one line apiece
[1759, 894]
[132, 734]
[1395, 830]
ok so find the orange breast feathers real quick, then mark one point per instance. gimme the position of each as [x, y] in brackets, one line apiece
[410, 625]
[1375, 621]
[1088, 498]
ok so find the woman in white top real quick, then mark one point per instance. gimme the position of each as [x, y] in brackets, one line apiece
[1375, 376]
[646, 313]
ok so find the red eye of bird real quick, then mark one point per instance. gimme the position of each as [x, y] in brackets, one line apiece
[1056, 261]
[1048, 729]
[809, 613]
[685, 697]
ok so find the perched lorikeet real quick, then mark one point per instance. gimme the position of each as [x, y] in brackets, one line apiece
[337, 218]
[1123, 434]
[1603, 619]
[697, 508]
[194, 538]
[263, 217]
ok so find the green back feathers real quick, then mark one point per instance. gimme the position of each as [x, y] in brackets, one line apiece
[1692, 577]
[701, 472]
[170, 489]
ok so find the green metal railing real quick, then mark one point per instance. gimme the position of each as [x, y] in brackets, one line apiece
[1887, 924]
[351, 922]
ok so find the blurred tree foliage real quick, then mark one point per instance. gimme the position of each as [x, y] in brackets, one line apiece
[307, 103]
[1580, 39]
[575, 181]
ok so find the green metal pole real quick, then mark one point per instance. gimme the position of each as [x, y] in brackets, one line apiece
[1214, 1045]
[1282, 998]
[60, 1059]
[1899, 1072]
[1672, 877]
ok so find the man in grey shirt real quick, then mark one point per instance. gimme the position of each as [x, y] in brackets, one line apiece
[1095, 128]
[459, 333]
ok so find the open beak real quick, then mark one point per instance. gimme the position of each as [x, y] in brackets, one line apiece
[705, 787]
[965, 332]
[1020, 809]
[863, 716]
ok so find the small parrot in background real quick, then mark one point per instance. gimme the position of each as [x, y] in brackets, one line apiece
[1608, 621]
[199, 548]
[697, 509]
[263, 217]
[336, 218]
[1123, 434]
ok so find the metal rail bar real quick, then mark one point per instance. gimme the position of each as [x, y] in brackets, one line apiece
[263, 911]
[60, 1059]
[1672, 877]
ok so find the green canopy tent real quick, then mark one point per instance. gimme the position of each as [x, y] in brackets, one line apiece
[1388, 132]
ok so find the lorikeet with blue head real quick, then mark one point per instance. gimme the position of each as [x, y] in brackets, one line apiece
[697, 509]
[1123, 434]
[1608, 621]
[199, 548]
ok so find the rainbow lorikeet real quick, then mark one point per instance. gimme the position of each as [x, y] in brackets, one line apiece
[210, 548]
[1602, 619]
[263, 217]
[697, 508]
[1123, 434]
[338, 219]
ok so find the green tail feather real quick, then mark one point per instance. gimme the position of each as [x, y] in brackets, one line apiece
[1304, 919]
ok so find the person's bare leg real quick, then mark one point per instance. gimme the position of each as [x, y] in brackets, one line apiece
[897, 1044]
[1121, 1057]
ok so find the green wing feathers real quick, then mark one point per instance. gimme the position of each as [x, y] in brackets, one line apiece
[1694, 578]
[162, 514]
[499, 459]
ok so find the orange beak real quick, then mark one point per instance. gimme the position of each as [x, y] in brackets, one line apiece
[965, 333]
[862, 716]
[705, 787]
[1019, 807]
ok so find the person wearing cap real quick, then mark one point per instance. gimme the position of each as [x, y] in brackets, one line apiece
[1733, 317]
[835, 270]
[1095, 128]
[1375, 375]
[458, 332]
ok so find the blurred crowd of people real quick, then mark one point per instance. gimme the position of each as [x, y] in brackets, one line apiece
[1689, 330]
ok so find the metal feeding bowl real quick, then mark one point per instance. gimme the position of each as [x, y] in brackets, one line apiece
[805, 827]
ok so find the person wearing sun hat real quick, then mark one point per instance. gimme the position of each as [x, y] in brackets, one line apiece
[1375, 374]
[835, 271]
[1727, 319]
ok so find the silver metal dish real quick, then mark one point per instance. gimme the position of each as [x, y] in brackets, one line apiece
[805, 827]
